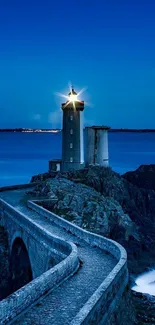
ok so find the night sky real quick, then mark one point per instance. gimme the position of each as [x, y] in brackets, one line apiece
[107, 46]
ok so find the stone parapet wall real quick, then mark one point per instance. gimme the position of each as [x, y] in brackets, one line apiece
[37, 232]
[92, 239]
[23, 298]
[17, 187]
[104, 301]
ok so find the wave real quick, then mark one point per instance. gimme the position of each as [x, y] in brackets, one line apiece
[145, 283]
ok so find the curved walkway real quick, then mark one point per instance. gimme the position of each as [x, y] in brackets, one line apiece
[62, 304]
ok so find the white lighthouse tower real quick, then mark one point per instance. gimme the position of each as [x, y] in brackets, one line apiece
[72, 133]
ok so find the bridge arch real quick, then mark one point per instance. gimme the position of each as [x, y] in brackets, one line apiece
[20, 265]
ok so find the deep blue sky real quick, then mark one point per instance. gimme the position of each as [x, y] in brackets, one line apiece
[106, 45]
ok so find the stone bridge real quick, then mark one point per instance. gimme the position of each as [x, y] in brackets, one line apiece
[62, 273]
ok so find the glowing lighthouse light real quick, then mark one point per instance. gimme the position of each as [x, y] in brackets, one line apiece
[72, 96]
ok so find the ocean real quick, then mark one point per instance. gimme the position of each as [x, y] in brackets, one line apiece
[25, 154]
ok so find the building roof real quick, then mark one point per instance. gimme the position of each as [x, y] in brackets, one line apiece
[72, 92]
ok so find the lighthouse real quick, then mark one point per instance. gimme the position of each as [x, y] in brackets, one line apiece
[74, 154]
[72, 133]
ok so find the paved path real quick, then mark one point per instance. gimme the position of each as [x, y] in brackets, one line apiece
[61, 306]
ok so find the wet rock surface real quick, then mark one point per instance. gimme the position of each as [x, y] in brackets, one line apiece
[144, 308]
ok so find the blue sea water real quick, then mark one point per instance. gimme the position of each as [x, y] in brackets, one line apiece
[25, 154]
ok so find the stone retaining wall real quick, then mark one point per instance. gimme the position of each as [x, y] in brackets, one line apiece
[30, 293]
[106, 298]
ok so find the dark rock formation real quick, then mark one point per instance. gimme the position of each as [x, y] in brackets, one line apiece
[102, 201]
[43, 177]
[86, 207]
[119, 207]
[143, 177]
[144, 308]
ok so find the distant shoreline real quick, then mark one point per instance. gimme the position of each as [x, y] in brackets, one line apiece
[25, 130]
[132, 130]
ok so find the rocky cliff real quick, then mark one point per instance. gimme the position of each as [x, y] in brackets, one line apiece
[143, 177]
[102, 201]
[144, 308]
[119, 207]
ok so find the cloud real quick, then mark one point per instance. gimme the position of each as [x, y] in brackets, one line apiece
[36, 117]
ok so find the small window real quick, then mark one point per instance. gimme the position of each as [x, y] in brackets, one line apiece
[71, 145]
[71, 131]
[57, 167]
[71, 159]
[71, 117]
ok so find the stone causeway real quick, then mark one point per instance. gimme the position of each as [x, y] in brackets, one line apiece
[85, 283]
